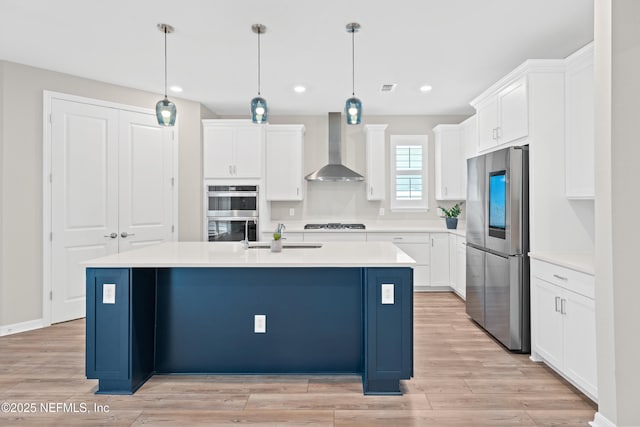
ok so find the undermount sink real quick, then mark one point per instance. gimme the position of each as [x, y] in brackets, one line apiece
[292, 245]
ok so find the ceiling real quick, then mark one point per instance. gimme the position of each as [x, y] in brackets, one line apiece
[459, 47]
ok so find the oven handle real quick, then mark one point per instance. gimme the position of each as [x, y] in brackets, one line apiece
[232, 218]
[237, 213]
[232, 194]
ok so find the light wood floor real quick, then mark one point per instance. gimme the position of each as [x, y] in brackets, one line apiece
[462, 378]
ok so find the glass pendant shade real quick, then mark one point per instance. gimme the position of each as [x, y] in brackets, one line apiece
[259, 110]
[166, 112]
[353, 111]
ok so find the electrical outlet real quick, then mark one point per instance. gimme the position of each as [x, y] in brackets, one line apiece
[108, 293]
[381, 211]
[387, 296]
[292, 212]
[260, 323]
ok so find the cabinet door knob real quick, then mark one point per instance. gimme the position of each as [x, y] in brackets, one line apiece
[557, 304]
[124, 234]
[563, 306]
[560, 277]
[112, 235]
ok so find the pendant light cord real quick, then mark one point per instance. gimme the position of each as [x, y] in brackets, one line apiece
[259, 32]
[353, 62]
[165, 61]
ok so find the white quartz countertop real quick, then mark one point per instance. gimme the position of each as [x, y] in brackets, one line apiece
[232, 254]
[583, 262]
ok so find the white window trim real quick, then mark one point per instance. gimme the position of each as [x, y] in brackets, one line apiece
[417, 205]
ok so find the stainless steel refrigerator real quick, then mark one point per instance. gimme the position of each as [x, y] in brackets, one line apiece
[497, 245]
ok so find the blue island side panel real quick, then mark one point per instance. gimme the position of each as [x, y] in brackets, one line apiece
[205, 320]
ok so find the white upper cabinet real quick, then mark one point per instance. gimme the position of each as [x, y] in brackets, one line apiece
[450, 163]
[579, 131]
[503, 115]
[469, 139]
[487, 114]
[232, 149]
[376, 163]
[284, 160]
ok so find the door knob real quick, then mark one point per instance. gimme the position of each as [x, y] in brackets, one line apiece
[125, 234]
[112, 235]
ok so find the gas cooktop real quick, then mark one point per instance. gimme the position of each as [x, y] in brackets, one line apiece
[334, 226]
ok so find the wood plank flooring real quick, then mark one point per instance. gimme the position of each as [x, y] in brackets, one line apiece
[462, 378]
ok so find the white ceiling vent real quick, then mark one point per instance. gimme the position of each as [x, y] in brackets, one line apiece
[390, 87]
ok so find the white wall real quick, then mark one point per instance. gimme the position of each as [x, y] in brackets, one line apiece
[344, 201]
[21, 175]
[617, 67]
[2, 293]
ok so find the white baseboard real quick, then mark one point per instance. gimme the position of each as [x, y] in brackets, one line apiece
[600, 421]
[535, 358]
[21, 327]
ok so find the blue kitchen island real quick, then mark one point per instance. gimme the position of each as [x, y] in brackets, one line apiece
[218, 308]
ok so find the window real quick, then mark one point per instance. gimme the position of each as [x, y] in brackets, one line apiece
[409, 172]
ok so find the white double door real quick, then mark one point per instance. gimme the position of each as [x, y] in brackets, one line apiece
[112, 190]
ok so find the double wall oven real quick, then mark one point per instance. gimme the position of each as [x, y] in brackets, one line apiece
[232, 213]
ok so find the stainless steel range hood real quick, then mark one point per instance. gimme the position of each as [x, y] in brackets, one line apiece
[335, 170]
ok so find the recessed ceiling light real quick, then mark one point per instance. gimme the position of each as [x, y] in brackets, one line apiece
[299, 89]
[425, 88]
[175, 89]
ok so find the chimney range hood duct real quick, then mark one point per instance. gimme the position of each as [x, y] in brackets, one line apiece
[335, 170]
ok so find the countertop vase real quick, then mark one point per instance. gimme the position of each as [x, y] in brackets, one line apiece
[452, 223]
[276, 245]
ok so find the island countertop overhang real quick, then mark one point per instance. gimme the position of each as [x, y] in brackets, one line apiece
[233, 254]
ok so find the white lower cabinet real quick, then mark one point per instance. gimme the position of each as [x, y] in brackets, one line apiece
[453, 263]
[335, 236]
[429, 250]
[439, 261]
[458, 265]
[563, 323]
[417, 246]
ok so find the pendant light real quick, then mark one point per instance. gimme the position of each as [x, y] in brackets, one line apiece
[353, 106]
[165, 109]
[259, 110]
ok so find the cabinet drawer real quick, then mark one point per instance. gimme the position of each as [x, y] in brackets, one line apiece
[398, 237]
[575, 281]
[334, 236]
